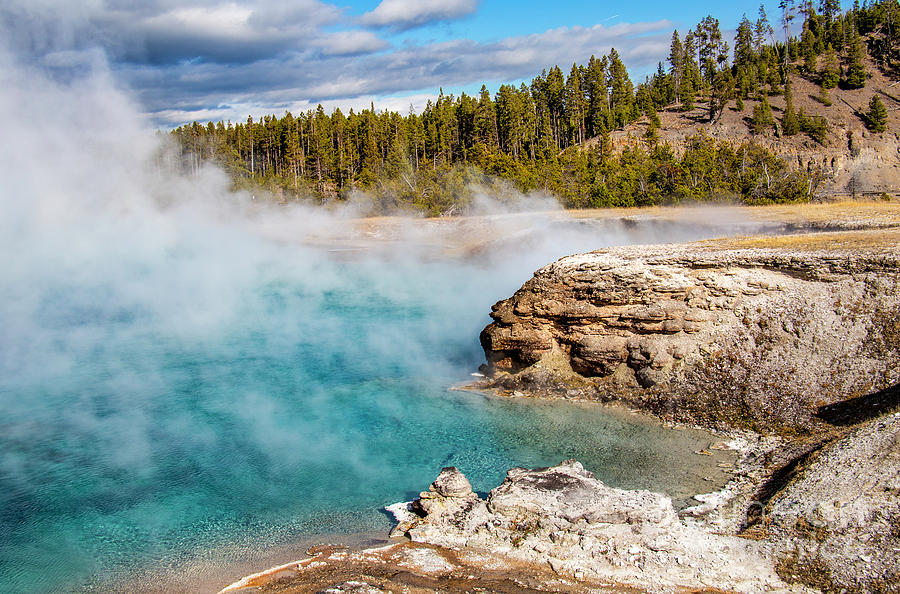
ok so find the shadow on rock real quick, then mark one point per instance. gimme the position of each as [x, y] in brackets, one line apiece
[862, 408]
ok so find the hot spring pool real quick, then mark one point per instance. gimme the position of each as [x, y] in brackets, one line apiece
[220, 395]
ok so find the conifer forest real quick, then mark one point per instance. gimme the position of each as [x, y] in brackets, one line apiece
[558, 134]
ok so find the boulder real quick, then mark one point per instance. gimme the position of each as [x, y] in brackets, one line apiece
[451, 483]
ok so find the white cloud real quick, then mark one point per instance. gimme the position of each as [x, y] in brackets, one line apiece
[294, 14]
[406, 14]
[351, 43]
[228, 20]
[196, 59]
[166, 32]
[238, 112]
[187, 91]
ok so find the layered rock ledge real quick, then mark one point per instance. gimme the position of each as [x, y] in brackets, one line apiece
[713, 332]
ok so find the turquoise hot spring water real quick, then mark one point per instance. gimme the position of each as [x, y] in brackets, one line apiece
[204, 395]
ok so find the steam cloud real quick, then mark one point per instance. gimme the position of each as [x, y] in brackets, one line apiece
[115, 270]
[95, 226]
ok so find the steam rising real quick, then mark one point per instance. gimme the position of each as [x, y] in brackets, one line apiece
[123, 283]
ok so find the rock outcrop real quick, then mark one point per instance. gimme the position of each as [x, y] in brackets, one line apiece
[450, 502]
[585, 530]
[758, 338]
[413, 568]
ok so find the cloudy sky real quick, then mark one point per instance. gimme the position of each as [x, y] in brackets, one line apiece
[205, 60]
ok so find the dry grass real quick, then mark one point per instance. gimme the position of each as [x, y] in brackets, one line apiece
[864, 212]
[876, 240]
[870, 213]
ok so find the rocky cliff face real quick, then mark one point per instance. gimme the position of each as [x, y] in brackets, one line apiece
[758, 338]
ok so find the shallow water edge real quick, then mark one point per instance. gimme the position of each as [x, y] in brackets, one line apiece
[708, 468]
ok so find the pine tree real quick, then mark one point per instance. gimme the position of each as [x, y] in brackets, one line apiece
[824, 96]
[790, 125]
[324, 155]
[774, 71]
[876, 117]
[886, 41]
[709, 46]
[528, 110]
[651, 136]
[829, 9]
[576, 105]
[762, 119]
[713, 55]
[762, 31]
[810, 45]
[251, 141]
[508, 120]
[856, 71]
[662, 87]
[810, 56]
[676, 61]
[787, 15]
[598, 98]
[554, 95]
[831, 69]
[486, 120]
[467, 124]
[837, 32]
[722, 92]
[831, 14]
[687, 98]
[621, 90]
[293, 152]
[744, 58]
[692, 81]
[643, 100]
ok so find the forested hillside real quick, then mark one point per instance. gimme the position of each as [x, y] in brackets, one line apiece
[564, 132]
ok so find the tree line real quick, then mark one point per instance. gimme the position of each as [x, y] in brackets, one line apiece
[554, 134]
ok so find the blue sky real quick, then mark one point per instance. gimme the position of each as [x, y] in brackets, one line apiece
[203, 60]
